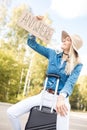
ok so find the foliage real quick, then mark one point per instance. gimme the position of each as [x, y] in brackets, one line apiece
[13, 58]
[16, 34]
[3, 13]
[79, 97]
[75, 97]
[38, 70]
[10, 71]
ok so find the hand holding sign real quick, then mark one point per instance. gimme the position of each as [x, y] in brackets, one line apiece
[36, 26]
[40, 17]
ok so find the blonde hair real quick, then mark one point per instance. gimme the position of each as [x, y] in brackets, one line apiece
[72, 61]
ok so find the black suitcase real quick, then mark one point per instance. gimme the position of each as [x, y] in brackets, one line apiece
[42, 117]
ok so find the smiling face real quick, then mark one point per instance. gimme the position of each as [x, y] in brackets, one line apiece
[66, 44]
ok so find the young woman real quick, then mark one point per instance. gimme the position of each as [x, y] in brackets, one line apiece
[67, 65]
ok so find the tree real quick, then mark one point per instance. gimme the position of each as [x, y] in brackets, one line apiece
[10, 71]
[12, 57]
[83, 92]
[75, 98]
[17, 63]
[38, 72]
[79, 97]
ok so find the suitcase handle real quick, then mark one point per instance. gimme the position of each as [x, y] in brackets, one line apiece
[47, 76]
[53, 75]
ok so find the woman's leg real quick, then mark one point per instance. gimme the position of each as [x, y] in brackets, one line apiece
[63, 121]
[20, 108]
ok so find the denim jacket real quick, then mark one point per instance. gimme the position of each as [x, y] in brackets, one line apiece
[66, 82]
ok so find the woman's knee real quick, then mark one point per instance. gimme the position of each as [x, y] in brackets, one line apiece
[10, 113]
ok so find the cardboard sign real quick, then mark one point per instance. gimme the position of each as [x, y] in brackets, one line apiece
[35, 26]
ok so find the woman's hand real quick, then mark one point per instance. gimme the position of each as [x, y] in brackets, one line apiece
[40, 17]
[61, 108]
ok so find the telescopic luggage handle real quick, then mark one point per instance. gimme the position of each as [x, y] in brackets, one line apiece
[45, 85]
[53, 75]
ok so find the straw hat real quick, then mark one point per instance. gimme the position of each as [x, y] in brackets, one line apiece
[76, 40]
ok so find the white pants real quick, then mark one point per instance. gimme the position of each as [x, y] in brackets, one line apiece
[25, 105]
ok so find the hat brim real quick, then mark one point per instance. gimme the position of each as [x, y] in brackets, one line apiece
[64, 35]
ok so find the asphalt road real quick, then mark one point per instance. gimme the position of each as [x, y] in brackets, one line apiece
[78, 121]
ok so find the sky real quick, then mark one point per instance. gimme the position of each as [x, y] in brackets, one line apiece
[68, 15]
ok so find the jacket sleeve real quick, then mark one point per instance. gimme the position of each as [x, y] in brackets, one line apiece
[37, 47]
[69, 85]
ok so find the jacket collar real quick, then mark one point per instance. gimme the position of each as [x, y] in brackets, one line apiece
[59, 53]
